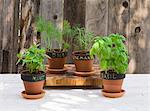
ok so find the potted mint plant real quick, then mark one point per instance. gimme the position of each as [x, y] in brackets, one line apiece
[84, 40]
[113, 57]
[33, 74]
[50, 33]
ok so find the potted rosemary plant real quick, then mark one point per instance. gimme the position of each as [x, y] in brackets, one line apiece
[33, 74]
[50, 33]
[82, 60]
[113, 57]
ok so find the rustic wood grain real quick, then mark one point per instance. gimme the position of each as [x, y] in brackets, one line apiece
[9, 47]
[70, 80]
[29, 13]
[1, 27]
[139, 40]
[97, 16]
[52, 10]
[1, 34]
[118, 16]
[74, 11]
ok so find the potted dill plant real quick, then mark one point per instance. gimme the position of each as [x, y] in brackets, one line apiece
[83, 39]
[113, 57]
[50, 33]
[33, 74]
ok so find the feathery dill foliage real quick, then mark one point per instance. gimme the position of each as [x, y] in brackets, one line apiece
[67, 34]
[32, 59]
[50, 32]
[83, 38]
[112, 53]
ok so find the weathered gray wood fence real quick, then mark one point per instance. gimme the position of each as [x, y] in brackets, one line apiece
[128, 17]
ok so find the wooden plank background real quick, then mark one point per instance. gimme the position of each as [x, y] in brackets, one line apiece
[8, 35]
[128, 17]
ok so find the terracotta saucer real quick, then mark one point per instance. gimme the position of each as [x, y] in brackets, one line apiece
[57, 71]
[37, 96]
[113, 95]
[84, 74]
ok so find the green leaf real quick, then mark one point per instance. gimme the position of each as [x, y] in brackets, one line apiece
[103, 64]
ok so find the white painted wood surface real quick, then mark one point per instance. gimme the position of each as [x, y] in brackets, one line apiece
[136, 98]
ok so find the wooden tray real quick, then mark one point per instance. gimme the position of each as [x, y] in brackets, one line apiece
[70, 80]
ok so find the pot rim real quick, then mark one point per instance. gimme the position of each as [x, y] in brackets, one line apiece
[81, 55]
[114, 76]
[56, 51]
[33, 77]
[28, 73]
[80, 52]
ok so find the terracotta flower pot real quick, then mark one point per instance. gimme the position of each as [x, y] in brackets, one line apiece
[58, 58]
[112, 85]
[113, 82]
[33, 83]
[82, 61]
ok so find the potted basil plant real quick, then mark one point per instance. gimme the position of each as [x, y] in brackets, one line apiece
[33, 74]
[113, 57]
